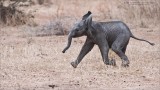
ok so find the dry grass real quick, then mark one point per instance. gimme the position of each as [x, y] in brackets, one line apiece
[37, 62]
[135, 13]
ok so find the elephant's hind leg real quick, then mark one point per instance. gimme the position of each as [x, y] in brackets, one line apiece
[125, 47]
[104, 49]
[119, 47]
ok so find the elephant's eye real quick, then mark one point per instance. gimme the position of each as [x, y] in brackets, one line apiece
[77, 29]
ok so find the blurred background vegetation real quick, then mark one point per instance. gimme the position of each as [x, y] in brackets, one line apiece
[57, 16]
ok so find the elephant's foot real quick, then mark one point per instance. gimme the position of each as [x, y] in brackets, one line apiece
[125, 63]
[111, 62]
[74, 64]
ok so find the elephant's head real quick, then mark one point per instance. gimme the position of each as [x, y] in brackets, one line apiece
[79, 29]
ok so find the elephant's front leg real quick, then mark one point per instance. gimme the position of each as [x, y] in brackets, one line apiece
[104, 49]
[85, 49]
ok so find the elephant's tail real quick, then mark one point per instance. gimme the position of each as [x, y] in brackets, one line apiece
[142, 40]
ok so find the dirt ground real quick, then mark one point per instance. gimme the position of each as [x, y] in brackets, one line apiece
[37, 63]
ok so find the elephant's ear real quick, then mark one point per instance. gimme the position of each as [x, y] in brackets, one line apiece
[88, 21]
[86, 15]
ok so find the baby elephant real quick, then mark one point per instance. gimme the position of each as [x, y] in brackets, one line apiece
[106, 35]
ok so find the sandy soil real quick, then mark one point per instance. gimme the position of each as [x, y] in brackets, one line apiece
[36, 63]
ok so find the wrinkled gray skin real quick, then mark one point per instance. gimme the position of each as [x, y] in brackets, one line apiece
[106, 35]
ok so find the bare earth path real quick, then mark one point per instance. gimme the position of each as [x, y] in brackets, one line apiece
[36, 63]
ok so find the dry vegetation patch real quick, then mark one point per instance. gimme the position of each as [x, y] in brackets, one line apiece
[10, 15]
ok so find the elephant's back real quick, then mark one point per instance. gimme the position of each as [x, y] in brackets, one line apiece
[114, 28]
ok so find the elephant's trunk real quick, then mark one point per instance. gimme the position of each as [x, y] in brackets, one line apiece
[69, 43]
